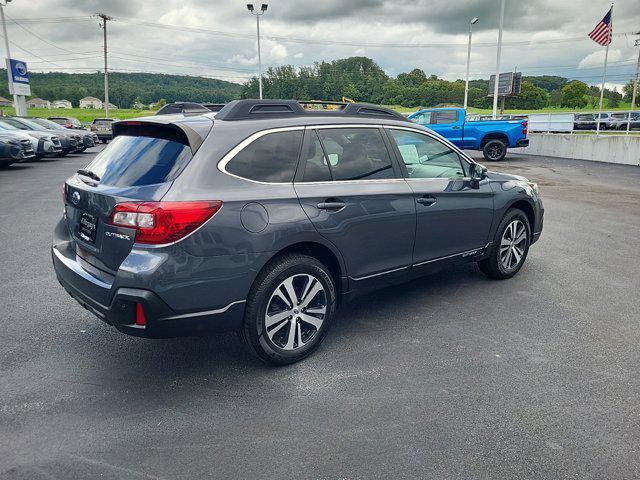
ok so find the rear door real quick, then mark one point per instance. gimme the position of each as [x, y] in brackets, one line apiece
[138, 165]
[453, 219]
[354, 195]
[447, 124]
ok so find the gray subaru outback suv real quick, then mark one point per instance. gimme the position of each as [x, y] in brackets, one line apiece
[264, 217]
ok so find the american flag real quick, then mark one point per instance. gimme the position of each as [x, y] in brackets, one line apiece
[602, 33]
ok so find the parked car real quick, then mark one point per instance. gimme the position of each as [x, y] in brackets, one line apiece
[14, 149]
[265, 220]
[584, 121]
[619, 121]
[87, 139]
[605, 120]
[43, 143]
[69, 141]
[102, 128]
[492, 137]
[182, 107]
[68, 122]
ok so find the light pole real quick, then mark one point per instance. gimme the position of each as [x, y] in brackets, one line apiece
[473, 21]
[18, 100]
[253, 11]
[635, 85]
[497, 82]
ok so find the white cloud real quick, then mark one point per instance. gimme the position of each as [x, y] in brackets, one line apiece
[596, 59]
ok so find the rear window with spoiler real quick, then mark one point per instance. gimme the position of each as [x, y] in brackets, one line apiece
[142, 154]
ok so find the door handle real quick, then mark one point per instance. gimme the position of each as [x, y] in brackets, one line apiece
[331, 205]
[426, 200]
[455, 127]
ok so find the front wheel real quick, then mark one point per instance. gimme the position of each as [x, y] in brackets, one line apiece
[510, 246]
[289, 309]
[494, 150]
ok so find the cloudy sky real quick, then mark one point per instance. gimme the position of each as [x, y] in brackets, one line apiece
[217, 38]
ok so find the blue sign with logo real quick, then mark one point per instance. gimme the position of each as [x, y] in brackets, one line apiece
[19, 72]
[18, 77]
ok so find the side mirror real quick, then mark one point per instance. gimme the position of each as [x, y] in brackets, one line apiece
[477, 172]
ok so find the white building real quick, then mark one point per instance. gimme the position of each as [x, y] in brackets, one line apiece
[38, 103]
[111, 106]
[61, 104]
[90, 102]
[5, 102]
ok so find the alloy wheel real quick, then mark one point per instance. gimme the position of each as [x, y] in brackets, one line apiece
[494, 152]
[513, 245]
[295, 312]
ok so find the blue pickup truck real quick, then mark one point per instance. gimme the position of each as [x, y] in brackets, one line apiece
[492, 137]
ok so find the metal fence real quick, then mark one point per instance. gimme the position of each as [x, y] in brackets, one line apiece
[611, 122]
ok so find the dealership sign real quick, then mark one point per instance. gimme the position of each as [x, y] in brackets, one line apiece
[18, 77]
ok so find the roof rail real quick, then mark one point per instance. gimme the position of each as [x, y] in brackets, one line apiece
[261, 109]
[182, 107]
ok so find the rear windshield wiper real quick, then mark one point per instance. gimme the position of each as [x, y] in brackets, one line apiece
[89, 173]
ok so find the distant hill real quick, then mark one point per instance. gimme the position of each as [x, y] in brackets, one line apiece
[126, 88]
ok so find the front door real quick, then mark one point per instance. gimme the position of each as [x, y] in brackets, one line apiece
[355, 197]
[447, 124]
[453, 219]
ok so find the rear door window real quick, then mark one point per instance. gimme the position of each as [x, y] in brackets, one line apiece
[272, 158]
[356, 153]
[444, 117]
[158, 156]
[313, 161]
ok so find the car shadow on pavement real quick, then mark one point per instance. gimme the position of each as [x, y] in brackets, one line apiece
[104, 356]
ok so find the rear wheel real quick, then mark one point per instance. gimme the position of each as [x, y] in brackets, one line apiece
[494, 150]
[289, 309]
[510, 246]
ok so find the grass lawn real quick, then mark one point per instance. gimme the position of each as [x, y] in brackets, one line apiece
[85, 115]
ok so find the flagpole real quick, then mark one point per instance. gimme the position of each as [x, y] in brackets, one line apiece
[604, 73]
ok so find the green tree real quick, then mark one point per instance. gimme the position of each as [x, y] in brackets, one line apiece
[530, 97]
[574, 93]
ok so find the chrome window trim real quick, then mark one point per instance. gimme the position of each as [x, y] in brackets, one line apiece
[222, 164]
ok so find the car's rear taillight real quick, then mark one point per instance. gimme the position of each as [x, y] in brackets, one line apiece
[163, 222]
[68, 125]
[93, 128]
[525, 125]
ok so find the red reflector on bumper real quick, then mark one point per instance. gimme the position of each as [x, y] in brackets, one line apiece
[140, 318]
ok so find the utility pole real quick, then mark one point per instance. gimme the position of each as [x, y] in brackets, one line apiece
[635, 85]
[18, 100]
[105, 18]
[497, 82]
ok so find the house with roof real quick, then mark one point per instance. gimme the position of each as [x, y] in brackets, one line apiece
[90, 102]
[38, 103]
[5, 102]
[61, 104]
[111, 106]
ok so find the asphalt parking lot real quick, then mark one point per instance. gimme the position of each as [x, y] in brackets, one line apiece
[451, 376]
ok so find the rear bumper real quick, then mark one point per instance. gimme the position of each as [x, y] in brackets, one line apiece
[97, 292]
[523, 142]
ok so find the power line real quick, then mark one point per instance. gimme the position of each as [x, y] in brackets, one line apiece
[38, 36]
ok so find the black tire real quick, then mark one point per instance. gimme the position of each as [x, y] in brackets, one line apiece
[254, 330]
[492, 266]
[4, 165]
[104, 140]
[494, 150]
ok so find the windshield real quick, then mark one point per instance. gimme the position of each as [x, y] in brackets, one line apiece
[24, 124]
[6, 126]
[47, 124]
[141, 160]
